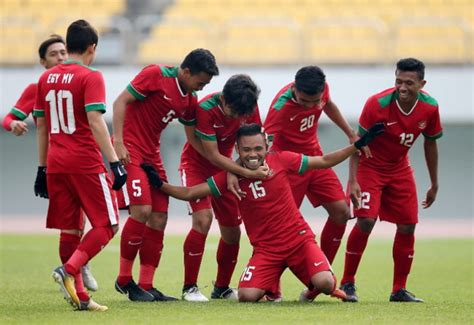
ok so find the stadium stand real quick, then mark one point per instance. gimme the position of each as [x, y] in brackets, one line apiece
[262, 32]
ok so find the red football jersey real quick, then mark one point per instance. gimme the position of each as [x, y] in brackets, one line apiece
[269, 212]
[65, 94]
[390, 150]
[160, 99]
[292, 126]
[213, 125]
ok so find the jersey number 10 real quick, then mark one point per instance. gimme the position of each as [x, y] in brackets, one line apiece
[57, 111]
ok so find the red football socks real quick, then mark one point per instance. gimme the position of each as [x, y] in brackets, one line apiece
[331, 237]
[193, 250]
[356, 244]
[68, 243]
[130, 242]
[403, 251]
[226, 261]
[150, 254]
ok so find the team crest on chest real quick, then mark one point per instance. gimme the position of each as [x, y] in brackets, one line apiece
[422, 124]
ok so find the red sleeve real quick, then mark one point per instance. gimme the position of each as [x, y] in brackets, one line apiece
[272, 123]
[146, 82]
[218, 183]
[25, 104]
[94, 92]
[292, 161]
[434, 130]
[368, 118]
[7, 120]
[204, 124]
[38, 110]
[189, 115]
[326, 97]
[255, 117]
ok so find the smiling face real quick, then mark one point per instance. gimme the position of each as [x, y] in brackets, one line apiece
[252, 150]
[408, 84]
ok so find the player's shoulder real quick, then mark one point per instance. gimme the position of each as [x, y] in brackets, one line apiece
[383, 98]
[427, 99]
[210, 101]
[31, 88]
[165, 71]
[283, 97]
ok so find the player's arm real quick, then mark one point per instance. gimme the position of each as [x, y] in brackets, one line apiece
[333, 112]
[354, 187]
[431, 157]
[42, 138]
[14, 124]
[187, 193]
[119, 108]
[211, 152]
[193, 140]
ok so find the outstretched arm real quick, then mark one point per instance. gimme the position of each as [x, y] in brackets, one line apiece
[187, 193]
[431, 157]
[333, 112]
[331, 159]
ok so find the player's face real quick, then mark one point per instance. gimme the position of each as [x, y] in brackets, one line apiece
[408, 84]
[306, 100]
[252, 150]
[194, 82]
[55, 54]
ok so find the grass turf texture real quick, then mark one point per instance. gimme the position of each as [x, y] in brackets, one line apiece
[442, 274]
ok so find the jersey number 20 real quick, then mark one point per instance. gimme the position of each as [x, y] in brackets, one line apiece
[57, 111]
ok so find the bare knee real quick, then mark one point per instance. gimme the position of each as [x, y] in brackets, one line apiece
[366, 224]
[338, 211]
[202, 221]
[140, 213]
[250, 294]
[230, 235]
[406, 229]
[158, 220]
[324, 282]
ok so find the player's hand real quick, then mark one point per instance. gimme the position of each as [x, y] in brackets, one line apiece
[259, 173]
[18, 127]
[364, 150]
[152, 174]
[375, 130]
[354, 193]
[120, 175]
[41, 187]
[122, 152]
[430, 197]
[234, 187]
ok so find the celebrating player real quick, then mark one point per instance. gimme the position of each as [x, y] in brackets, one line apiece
[71, 134]
[292, 123]
[279, 235]
[156, 96]
[384, 187]
[217, 120]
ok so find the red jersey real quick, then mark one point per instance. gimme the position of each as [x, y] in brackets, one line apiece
[293, 127]
[160, 99]
[213, 125]
[269, 212]
[23, 107]
[390, 150]
[65, 94]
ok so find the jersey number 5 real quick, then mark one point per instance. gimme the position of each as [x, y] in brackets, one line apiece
[169, 116]
[57, 111]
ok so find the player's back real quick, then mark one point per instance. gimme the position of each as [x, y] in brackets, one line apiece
[65, 94]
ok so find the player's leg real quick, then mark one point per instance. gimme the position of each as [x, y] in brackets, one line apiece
[150, 253]
[325, 189]
[405, 215]
[261, 276]
[227, 214]
[138, 195]
[193, 250]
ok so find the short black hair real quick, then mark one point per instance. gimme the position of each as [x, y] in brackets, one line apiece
[80, 35]
[412, 64]
[241, 94]
[249, 130]
[310, 80]
[200, 60]
[43, 48]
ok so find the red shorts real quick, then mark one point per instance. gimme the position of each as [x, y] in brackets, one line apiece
[264, 269]
[390, 196]
[70, 194]
[319, 185]
[226, 207]
[138, 190]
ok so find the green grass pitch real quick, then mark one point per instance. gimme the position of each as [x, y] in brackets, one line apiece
[442, 274]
